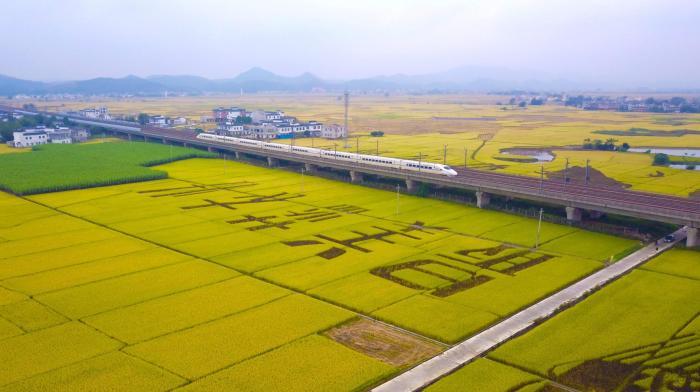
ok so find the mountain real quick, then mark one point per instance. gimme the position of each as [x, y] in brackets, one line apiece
[127, 85]
[184, 83]
[256, 79]
[13, 86]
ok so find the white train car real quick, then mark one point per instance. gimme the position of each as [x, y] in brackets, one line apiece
[373, 160]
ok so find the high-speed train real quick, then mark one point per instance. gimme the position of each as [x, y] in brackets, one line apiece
[403, 164]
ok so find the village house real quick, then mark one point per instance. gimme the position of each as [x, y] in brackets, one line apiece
[333, 131]
[100, 113]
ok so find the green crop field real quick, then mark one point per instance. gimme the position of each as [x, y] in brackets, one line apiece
[229, 276]
[641, 333]
[56, 167]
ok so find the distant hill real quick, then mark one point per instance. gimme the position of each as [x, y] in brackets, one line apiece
[12, 86]
[256, 79]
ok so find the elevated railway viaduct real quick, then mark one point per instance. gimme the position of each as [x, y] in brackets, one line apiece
[574, 198]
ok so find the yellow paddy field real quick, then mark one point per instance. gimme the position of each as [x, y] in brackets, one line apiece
[423, 125]
[230, 276]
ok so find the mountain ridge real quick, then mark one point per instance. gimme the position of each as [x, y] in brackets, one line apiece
[257, 79]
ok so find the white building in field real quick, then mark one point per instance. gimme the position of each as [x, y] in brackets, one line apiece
[43, 135]
[100, 113]
[158, 120]
[260, 116]
[29, 138]
[333, 131]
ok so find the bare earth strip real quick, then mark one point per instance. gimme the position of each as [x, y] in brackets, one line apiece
[385, 343]
[470, 349]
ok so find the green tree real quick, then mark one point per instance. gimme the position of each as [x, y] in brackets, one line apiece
[143, 118]
[661, 159]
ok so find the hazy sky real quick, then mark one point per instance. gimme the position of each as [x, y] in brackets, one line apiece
[630, 40]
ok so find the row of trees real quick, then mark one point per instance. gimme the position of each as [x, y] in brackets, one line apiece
[607, 145]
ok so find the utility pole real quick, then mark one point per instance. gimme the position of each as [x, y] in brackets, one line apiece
[347, 103]
[566, 172]
[335, 150]
[302, 179]
[357, 144]
[588, 173]
[377, 154]
[539, 226]
[397, 198]
[420, 159]
[541, 178]
[444, 155]
[465, 157]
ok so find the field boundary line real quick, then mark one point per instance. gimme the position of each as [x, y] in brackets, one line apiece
[431, 370]
[195, 257]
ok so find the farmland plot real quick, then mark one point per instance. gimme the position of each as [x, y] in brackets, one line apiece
[464, 268]
[214, 272]
[641, 333]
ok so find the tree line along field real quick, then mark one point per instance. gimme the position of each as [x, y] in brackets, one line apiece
[422, 125]
[231, 276]
[641, 333]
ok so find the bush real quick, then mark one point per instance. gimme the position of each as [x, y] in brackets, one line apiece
[376, 133]
[661, 159]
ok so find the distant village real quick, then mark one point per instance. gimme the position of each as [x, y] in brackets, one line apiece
[606, 103]
[229, 121]
[261, 124]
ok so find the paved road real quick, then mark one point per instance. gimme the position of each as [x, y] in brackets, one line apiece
[468, 350]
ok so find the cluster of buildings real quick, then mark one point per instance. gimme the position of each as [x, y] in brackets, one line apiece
[43, 135]
[163, 121]
[99, 113]
[626, 104]
[261, 124]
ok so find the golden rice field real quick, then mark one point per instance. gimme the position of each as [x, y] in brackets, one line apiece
[640, 333]
[423, 125]
[227, 276]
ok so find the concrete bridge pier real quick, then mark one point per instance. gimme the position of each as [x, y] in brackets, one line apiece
[573, 214]
[595, 214]
[692, 239]
[128, 135]
[410, 185]
[210, 149]
[272, 162]
[482, 199]
[355, 176]
[185, 145]
[237, 155]
[311, 168]
[165, 141]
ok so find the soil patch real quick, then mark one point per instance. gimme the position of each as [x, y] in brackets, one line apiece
[384, 343]
[577, 175]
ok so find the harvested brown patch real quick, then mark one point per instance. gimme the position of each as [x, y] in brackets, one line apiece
[598, 375]
[577, 175]
[382, 342]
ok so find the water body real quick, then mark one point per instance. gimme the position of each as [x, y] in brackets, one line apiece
[676, 152]
[684, 167]
[540, 155]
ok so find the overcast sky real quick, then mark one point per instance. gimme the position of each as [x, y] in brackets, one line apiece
[628, 40]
